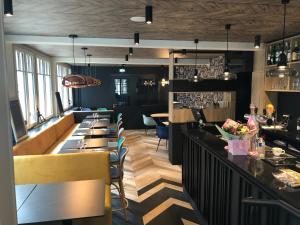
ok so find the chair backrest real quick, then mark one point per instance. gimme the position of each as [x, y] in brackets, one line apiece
[148, 121]
[56, 168]
[120, 143]
[162, 132]
[119, 116]
[102, 109]
[123, 154]
[120, 132]
[119, 125]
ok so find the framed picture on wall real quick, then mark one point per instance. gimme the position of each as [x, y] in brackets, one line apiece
[17, 120]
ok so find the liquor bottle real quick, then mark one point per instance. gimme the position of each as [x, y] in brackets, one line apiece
[287, 50]
[274, 55]
[269, 56]
[295, 52]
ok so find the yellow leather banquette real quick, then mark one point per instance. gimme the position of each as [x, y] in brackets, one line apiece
[57, 168]
[47, 141]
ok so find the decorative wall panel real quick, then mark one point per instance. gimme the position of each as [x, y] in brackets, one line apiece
[199, 99]
[211, 71]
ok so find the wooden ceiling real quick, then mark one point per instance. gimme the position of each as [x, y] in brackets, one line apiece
[173, 19]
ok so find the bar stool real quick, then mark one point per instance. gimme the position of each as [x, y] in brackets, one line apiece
[117, 174]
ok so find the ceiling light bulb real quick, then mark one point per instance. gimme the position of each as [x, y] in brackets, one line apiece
[257, 41]
[136, 38]
[8, 8]
[130, 51]
[148, 14]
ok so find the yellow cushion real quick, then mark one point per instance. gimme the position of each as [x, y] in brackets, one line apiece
[64, 124]
[55, 168]
[38, 144]
[41, 169]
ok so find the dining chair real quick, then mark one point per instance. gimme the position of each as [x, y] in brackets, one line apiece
[148, 122]
[162, 132]
[117, 174]
[114, 156]
[102, 109]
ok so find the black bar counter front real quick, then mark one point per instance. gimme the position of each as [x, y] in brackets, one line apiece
[234, 190]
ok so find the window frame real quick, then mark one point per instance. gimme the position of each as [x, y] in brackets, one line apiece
[35, 55]
[65, 70]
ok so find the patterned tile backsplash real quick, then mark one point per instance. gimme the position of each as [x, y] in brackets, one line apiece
[200, 99]
[211, 71]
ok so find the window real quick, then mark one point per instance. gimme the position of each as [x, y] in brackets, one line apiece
[65, 93]
[44, 87]
[121, 86]
[26, 86]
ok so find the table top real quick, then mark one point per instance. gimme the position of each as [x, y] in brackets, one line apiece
[61, 201]
[160, 115]
[166, 123]
[102, 123]
[86, 143]
[93, 132]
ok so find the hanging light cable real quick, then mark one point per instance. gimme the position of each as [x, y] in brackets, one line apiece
[227, 75]
[195, 77]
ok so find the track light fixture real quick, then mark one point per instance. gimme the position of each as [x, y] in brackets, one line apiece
[176, 60]
[257, 40]
[136, 38]
[122, 69]
[148, 14]
[195, 77]
[8, 8]
[130, 51]
[126, 58]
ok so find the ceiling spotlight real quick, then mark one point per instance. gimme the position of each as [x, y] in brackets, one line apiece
[8, 8]
[257, 41]
[184, 51]
[148, 14]
[126, 58]
[130, 51]
[137, 38]
[176, 60]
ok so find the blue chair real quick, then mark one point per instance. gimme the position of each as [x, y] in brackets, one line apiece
[162, 132]
[115, 154]
[102, 109]
[148, 122]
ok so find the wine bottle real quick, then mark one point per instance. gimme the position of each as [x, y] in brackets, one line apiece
[273, 55]
[269, 56]
[288, 50]
[295, 52]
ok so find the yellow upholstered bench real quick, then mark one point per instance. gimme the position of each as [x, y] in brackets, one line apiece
[48, 140]
[57, 168]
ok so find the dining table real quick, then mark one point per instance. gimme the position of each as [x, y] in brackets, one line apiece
[91, 144]
[66, 201]
[101, 123]
[94, 133]
[98, 116]
[160, 118]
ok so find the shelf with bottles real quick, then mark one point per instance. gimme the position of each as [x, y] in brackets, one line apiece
[291, 49]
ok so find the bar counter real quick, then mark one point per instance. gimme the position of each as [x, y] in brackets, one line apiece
[234, 190]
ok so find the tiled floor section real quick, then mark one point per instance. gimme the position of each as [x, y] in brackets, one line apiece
[153, 185]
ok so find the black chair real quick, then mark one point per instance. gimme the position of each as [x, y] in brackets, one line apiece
[162, 132]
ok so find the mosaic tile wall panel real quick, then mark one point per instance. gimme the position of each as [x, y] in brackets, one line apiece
[211, 71]
[199, 99]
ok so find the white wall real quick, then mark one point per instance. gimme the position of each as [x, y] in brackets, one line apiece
[7, 193]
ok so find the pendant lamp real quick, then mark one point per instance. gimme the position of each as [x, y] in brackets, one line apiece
[73, 80]
[227, 75]
[90, 80]
[195, 76]
[282, 70]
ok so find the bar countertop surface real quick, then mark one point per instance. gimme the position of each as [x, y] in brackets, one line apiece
[256, 171]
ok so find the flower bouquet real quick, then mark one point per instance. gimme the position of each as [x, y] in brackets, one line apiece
[238, 135]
